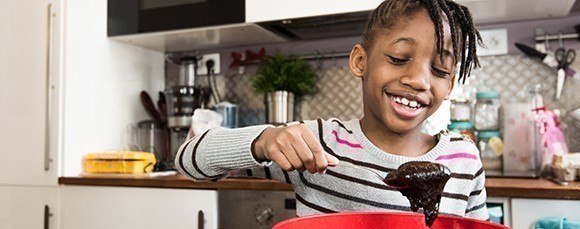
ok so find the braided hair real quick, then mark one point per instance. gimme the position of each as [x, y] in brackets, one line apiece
[464, 35]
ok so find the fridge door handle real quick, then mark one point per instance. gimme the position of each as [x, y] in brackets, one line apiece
[48, 101]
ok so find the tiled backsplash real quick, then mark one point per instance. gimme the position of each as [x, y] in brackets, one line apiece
[339, 93]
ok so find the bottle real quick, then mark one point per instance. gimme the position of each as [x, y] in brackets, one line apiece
[491, 149]
[463, 128]
[486, 111]
[460, 110]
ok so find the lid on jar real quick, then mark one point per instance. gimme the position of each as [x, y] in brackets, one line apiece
[460, 125]
[487, 95]
[488, 134]
[459, 100]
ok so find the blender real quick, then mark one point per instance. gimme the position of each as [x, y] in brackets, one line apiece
[182, 100]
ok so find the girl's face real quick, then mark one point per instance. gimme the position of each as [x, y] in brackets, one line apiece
[404, 79]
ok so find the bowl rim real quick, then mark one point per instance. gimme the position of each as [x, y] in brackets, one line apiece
[292, 220]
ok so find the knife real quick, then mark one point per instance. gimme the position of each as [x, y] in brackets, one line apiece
[532, 52]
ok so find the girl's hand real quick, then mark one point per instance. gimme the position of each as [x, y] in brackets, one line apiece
[293, 147]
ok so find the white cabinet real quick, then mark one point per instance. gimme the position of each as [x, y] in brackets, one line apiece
[29, 66]
[526, 212]
[28, 207]
[92, 207]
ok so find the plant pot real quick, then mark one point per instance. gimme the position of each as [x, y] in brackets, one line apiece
[279, 107]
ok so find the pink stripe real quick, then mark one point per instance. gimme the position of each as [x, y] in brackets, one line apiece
[457, 155]
[344, 142]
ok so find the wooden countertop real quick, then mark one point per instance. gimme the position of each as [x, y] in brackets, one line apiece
[496, 187]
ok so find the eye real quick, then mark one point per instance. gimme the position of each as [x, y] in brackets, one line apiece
[397, 61]
[441, 73]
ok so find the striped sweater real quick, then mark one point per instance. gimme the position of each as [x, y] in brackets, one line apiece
[221, 152]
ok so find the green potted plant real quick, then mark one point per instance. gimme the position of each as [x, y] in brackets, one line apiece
[283, 79]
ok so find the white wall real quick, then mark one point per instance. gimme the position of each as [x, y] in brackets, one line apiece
[102, 81]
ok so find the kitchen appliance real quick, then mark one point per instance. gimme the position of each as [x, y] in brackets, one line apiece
[171, 26]
[254, 209]
[182, 100]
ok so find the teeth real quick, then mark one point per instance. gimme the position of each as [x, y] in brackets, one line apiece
[407, 102]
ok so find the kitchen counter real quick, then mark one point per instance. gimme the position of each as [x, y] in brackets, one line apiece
[496, 187]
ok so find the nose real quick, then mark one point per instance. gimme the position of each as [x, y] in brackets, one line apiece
[417, 77]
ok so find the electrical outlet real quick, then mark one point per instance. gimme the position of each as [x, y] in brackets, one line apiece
[495, 41]
[201, 67]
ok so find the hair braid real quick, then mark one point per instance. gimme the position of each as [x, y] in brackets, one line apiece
[471, 59]
[451, 19]
[433, 9]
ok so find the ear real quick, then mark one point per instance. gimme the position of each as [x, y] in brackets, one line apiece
[451, 86]
[357, 61]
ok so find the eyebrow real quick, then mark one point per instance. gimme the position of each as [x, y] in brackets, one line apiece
[403, 40]
[446, 52]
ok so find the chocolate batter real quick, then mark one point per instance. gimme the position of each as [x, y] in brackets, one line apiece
[422, 183]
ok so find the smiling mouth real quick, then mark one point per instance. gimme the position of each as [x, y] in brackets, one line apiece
[408, 103]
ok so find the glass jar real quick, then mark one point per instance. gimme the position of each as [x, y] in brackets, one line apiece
[486, 111]
[462, 127]
[460, 110]
[491, 149]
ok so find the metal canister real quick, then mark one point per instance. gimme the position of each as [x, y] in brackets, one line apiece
[279, 107]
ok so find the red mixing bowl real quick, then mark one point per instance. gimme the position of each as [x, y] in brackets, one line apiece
[361, 220]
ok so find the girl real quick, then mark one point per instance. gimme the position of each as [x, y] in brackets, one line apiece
[407, 64]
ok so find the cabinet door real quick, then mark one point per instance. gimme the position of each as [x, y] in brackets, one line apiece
[526, 212]
[118, 207]
[28, 207]
[29, 32]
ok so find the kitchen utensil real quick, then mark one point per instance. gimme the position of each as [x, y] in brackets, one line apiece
[564, 58]
[149, 106]
[385, 179]
[532, 52]
[162, 107]
[364, 220]
[350, 165]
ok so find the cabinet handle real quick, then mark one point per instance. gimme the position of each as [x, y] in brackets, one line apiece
[47, 216]
[200, 219]
[47, 116]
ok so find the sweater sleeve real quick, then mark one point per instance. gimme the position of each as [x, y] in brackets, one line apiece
[212, 155]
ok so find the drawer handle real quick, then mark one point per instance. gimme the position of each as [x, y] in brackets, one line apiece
[47, 216]
[200, 219]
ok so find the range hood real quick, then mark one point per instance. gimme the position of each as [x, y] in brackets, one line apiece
[272, 21]
[353, 23]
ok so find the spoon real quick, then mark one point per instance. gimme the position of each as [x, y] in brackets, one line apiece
[389, 179]
[149, 106]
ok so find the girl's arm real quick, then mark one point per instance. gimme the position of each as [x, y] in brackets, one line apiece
[212, 155]
[219, 152]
